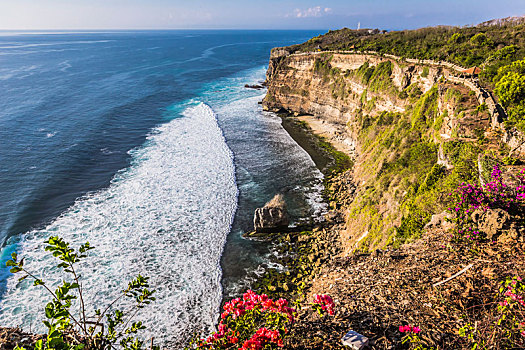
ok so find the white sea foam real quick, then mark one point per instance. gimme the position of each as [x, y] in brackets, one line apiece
[6, 73]
[58, 43]
[64, 66]
[166, 216]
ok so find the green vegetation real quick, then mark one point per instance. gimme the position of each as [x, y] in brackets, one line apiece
[85, 329]
[496, 49]
[376, 78]
[406, 185]
[341, 161]
[467, 46]
[510, 89]
[425, 72]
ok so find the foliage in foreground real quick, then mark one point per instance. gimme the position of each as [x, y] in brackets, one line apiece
[257, 322]
[504, 327]
[68, 330]
[495, 194]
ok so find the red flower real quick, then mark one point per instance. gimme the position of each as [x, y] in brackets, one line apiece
[408, 328]
[325, 302]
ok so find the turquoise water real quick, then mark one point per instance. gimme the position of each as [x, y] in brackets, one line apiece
[147, 145]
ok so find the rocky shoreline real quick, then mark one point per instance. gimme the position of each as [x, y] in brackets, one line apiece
[302, 251]
[377, 292]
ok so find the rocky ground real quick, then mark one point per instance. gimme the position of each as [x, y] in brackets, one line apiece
[376, 293]
[11, 337]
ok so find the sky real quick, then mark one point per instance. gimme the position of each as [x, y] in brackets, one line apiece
[249, 14]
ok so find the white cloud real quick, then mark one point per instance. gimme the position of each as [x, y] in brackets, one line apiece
[316, 11]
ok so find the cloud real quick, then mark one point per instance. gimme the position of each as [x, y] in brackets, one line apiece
[316, 11]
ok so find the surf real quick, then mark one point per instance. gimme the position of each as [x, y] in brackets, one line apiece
[167, 216]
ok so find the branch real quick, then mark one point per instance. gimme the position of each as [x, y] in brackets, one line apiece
[107, 308]
[53, 294]
[82, 307]
[453, 276]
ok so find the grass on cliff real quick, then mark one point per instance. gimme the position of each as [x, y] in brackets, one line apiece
[338, 161]
[405, 184]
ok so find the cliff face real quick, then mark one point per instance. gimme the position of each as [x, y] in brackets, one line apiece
[411, 128]
[297, 83]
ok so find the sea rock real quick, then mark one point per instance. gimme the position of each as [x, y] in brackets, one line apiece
[273, 217]
[254, 86]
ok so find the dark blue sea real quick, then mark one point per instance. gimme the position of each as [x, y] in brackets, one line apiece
[147, 145]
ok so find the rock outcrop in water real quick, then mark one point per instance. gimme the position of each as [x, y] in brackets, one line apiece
[272, 217]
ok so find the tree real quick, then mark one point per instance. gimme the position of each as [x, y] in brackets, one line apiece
[511, 89]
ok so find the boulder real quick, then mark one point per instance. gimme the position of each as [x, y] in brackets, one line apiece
[253, 86]
[273, 217]
[492, 221]
[510, 236]
[440, 221]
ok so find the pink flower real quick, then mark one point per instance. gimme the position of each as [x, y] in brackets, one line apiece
[325, 302]
[408, 328]
[404, 329]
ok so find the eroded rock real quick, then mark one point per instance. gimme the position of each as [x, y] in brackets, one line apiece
[493, 222]
[273, 217]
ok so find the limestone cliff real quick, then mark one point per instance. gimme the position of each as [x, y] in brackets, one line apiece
[409, 125]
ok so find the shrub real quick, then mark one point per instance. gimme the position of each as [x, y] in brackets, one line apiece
[494, 195]
[456, 38]
[257, 322]
[74, 331]
[506, 329]
[425, 72]
[511, 308]
[479, 39]
[412, 337]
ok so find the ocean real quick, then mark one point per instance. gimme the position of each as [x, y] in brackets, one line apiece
[147, 145]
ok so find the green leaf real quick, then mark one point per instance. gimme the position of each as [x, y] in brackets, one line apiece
[15, 269]
[50, 310]
[14, 256]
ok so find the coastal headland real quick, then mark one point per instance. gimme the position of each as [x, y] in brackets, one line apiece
[396, 138]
